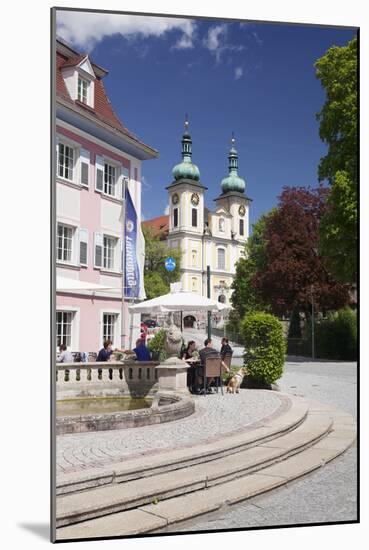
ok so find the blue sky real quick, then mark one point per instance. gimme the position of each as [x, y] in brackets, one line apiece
[255, 79]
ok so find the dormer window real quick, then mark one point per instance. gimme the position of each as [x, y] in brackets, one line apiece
[79, 78]
[82, 90]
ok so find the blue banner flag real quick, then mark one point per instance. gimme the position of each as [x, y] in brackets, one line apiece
[131, 271]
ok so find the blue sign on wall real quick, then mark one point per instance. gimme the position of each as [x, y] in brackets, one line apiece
[170, 264]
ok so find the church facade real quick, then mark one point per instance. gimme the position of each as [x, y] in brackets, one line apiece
[214, 238]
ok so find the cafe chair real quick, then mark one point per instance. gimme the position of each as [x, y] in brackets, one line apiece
[213, 369]
[227, 360]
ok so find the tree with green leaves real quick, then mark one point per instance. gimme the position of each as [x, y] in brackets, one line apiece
[157, 278]
[245, 297]
[337, 71]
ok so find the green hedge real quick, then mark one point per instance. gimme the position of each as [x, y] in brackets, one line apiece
[265, 346]
[336, 336]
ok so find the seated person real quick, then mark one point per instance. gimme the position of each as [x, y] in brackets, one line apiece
[141, 351]
[105, 352]
[205, 352]
[188, 351]
[65, 356]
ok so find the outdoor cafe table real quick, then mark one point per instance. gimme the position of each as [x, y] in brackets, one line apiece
[193, 372]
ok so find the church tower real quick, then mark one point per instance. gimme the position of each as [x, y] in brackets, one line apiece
[233, 198]
[186, 215]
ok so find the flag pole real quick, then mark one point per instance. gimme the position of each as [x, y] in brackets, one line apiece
[122, 324]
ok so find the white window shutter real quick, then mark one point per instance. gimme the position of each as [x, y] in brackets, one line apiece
[98, 249]
[57, 153]
[84, 166]
[83, 246]
[99, 180]
[121, 254]
[125, 180]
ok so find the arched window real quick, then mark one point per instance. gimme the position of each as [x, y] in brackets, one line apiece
[242, 227]
[221, 224]
[175, 217]
[221, 258]
[222, 299]
[194, 217]
[194, 284]
[194, 258]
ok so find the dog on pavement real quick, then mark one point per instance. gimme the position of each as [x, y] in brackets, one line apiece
[234, 383]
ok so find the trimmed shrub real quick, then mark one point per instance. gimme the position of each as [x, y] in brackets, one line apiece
[265, 347]
[336, 336]
[156, 346]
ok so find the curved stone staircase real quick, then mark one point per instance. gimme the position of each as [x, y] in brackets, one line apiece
[145, 494]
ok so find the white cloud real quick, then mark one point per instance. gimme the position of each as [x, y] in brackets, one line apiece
[145, 184]
[184, 42]
[166, 210]
[213, 41]
[238, 72]
[85, 29]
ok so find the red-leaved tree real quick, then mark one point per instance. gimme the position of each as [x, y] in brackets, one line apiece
[294, 268]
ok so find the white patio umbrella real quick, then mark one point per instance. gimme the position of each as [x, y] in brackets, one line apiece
[176, 301]
[64, 284]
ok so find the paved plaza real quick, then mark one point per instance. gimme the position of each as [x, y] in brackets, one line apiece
[329, 494]
[216, 416]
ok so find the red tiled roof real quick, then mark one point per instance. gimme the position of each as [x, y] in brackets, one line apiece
[159, 225]
[102, 107]
[73, 61]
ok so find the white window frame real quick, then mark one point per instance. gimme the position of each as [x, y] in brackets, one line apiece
[86, 89]
[107, 184]
[66, 143]
[74, 345]
[219, 250]
[115, 247]
[243, 227]
[73, 229]
[101, 163]
[117, 328]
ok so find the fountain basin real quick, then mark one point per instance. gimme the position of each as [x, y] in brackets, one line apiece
[153, 409]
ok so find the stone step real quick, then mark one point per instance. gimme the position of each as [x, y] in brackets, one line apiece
[155, 517]
[174, 459]
[117, 497]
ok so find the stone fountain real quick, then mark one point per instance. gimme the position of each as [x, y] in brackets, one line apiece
[172, 373]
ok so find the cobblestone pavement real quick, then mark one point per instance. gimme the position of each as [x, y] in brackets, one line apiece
[215, 416]
[326, 495]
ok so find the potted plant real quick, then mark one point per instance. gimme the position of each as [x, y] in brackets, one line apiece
[156, 346]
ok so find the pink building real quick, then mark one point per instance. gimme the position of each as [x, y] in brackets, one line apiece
[96, 156]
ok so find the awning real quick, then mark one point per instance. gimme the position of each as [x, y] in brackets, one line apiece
[176, 301]
[64, 284]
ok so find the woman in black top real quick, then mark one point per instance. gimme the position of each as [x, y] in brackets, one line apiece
[187, 353]
[226, 348]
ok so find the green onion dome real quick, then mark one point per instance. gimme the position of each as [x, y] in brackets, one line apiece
[233, 182]
[186, 169]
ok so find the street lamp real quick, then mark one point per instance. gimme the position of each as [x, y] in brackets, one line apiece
[312, 324]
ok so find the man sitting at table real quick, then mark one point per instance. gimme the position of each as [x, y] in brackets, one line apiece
[141, 351]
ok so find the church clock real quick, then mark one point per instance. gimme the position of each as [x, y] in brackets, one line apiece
[195, 199]
[175, 198]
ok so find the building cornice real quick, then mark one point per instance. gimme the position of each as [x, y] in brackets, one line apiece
[148, 151]
[233, 194]
[185, 181]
